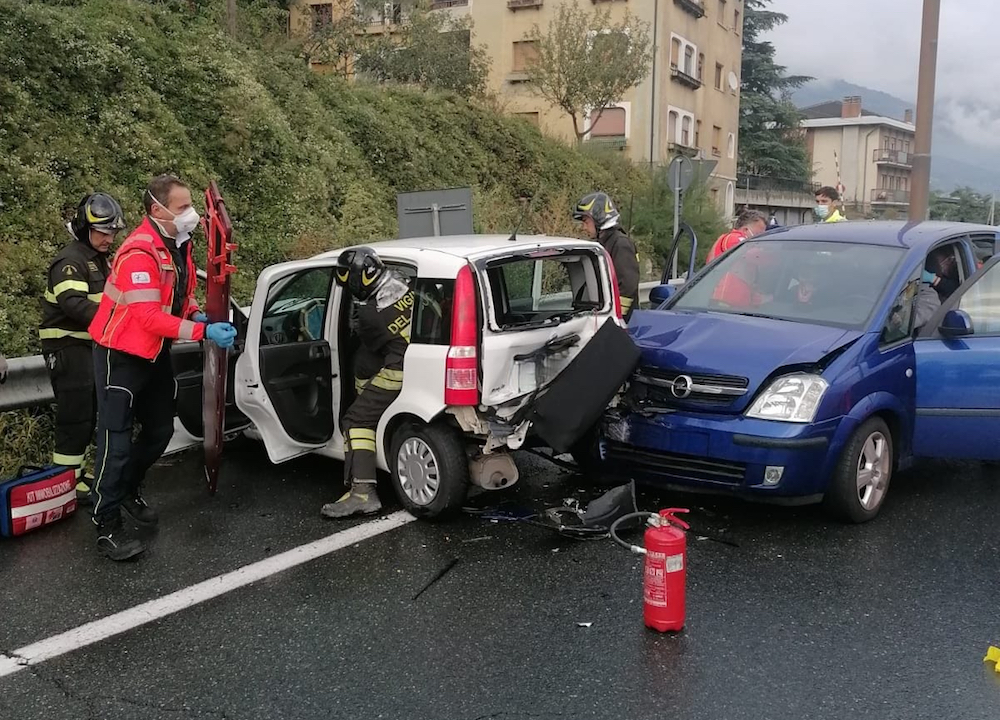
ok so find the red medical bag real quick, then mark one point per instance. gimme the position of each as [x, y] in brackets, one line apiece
[36, 497]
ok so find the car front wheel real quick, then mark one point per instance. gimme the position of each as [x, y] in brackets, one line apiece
[861, 479]
[430, 470]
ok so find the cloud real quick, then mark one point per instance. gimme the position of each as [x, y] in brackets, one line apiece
[876, 43]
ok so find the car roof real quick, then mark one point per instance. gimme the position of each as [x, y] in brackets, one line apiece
[892, 233]
[462, 246]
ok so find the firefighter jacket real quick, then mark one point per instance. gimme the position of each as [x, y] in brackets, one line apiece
[625, 258]
[384, 330]
[72, 294]
[143, 304]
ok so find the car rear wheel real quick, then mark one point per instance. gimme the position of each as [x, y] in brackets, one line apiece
[861, 479]
[430, 471]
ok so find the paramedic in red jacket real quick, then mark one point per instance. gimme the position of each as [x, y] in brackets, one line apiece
[148, 302]
[748, 224]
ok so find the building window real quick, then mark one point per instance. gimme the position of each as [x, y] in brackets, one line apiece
[525, 53]
[673, 122]
[680, 127]
[737, 21]
[697, 134]
[731, 146]
[730, 198]
[716, 141]
[531, 117]
[675, 51]
[322, 15]
[722, 13]
[686, 132]
[689, 60]
[611, 123]
[701, 67]
[719, 72]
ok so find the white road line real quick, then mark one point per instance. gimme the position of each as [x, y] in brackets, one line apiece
[148, 612]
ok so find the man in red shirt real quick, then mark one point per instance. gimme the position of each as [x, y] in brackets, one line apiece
[749, 223]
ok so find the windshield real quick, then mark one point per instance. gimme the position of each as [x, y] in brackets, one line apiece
[822, 283]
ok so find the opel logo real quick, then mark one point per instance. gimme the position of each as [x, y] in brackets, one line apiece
[681, 387]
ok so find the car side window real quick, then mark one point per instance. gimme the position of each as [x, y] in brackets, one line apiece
[432, 311]
[296, 307]
[982, 303]
[899, 324]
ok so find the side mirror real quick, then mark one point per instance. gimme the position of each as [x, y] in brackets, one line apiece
[660, 294]
[956, 323]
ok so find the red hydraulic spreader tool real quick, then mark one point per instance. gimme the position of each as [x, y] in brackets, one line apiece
[219, 235]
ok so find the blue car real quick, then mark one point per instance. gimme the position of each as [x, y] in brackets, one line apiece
[812, 363]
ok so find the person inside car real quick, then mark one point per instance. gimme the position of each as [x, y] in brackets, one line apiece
[941, 272]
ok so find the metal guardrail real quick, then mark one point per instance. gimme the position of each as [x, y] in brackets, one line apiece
[28, 383]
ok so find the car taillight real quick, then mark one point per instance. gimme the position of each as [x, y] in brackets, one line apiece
[461, 385]
[614, 286]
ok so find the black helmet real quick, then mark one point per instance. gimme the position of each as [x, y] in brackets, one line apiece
[598, 206]
[361, 271]
[99, 212]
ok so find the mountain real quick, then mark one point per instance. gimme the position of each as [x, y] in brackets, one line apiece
[956, 162]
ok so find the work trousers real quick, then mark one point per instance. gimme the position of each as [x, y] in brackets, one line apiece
[359, 424]
[71, 370]
[129, 390]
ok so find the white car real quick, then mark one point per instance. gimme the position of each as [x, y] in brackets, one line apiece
[495, 321]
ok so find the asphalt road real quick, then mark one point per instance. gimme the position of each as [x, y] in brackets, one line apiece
[803, 618]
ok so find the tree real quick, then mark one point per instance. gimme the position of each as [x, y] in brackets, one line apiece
[583, 62]
[962, 205]
[771, 142]
[429, 49]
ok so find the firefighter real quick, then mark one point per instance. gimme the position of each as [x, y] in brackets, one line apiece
[75, 283]
[385, 308]
[601, 222]
[148, 302]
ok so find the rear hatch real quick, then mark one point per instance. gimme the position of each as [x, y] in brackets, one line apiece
[542, 306]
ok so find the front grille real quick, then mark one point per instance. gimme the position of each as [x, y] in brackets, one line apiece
[655, 387]
[676, 466]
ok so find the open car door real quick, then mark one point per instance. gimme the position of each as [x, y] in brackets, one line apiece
[188, 359]
[284, 378]
[958, 376]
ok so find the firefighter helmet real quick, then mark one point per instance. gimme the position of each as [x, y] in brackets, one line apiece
[99, 212]
[596, 205]
[361, 271]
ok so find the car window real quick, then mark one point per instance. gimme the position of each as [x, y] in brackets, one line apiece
[984, 247]
[899, 324]
[982, 303]
[296, 307]
[824, 283]
[529, 290]
[432, 311]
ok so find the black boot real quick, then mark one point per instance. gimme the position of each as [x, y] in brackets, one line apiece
[83, 486]
[115, 542]
[140, 513]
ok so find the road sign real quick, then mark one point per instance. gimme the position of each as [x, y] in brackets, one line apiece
[434, 212]
[680, 174]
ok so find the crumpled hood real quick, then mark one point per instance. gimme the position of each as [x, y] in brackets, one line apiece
[735, 345]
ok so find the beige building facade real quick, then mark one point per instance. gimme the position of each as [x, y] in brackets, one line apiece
[867, 155]
[688, 103]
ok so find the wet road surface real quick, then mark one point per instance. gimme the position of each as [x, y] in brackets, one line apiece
[803, 618]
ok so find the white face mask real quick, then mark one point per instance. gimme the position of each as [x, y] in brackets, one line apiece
[185, 223]
[823, 211]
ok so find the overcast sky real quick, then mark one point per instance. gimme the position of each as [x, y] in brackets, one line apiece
[876, 43]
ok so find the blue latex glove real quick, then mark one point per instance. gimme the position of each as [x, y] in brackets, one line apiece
[222, 334]
[928, 277]
[200, 317]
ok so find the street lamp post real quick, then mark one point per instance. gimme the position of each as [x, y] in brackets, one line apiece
[920, 189]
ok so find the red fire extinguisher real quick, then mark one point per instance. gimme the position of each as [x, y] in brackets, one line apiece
[665, 573]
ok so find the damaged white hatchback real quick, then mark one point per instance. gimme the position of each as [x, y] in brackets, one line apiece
[495, 321]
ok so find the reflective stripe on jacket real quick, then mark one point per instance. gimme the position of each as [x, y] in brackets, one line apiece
[135, 313]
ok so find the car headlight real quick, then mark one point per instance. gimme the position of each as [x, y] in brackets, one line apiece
[793, 398]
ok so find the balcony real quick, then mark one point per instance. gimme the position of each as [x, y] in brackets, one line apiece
[609, 142]
[443, 4]
[895, 158]
[684, 79]
[686, 150]
[885, 196]
[694, 7]
[515, 5]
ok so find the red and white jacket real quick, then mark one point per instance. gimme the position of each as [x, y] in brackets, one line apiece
[726, 243]
[135, 313]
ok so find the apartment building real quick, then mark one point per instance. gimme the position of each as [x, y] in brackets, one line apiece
[867, 155]
[688, 104]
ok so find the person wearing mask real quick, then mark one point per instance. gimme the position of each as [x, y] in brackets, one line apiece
[941, 272]
[73, 291]
[772, 222]
[148, 302]
[748, 224]
[826, 205]
[601, 222]
[384, 312]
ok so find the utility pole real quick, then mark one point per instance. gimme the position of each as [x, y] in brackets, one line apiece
[231, 17]
[920, 186]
